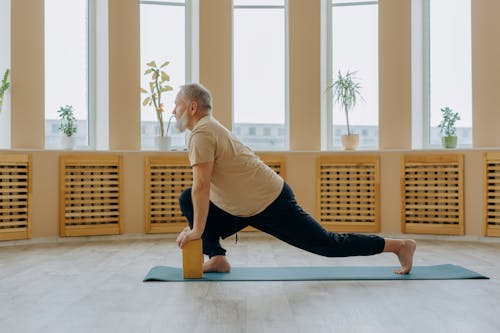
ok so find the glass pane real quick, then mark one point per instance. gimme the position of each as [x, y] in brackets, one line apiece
[158, 43]
[450, 66]
[66, 67]
[258, 2]
[259, 70]
[356, 50]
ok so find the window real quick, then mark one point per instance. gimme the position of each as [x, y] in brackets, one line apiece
[4, 64]
[67, 67]
[165, 36]
[260, 62]
[353, 46]
[449, 73]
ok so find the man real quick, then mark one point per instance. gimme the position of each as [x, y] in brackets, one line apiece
[233, 188]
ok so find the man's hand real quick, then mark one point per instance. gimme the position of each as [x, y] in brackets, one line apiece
[186, 236]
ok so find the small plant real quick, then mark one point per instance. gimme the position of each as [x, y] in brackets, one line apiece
[157, 86]
[4, 86]
[68, 120]
[447, 125]
[345, 91]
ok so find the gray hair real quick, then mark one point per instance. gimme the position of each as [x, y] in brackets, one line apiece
[196, 92]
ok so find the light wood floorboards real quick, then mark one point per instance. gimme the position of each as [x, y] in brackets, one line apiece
[97, 287]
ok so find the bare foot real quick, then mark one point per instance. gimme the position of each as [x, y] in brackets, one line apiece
[217, 264]
[405, 255]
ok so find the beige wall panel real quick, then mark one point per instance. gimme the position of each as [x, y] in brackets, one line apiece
[132, 210]
[45, 217]
[473, 190]
[305, 89]
[390, 194]
[27, 75]
[216, 56]
[485, 72]
[395, 74]
[301, 176]
[124, 75]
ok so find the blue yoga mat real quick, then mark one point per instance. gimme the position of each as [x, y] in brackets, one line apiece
[438, 272]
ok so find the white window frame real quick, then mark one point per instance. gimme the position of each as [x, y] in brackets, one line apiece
[327, 103]
[92, 65]
[421, 113]
[191, 43]
[287, 68]
[92, 60]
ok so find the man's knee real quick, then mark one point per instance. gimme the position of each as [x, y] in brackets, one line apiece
[185, 200]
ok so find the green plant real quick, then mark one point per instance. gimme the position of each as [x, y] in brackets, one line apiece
[4, 86]
[68, 120]
[346, 91]
[447, 125]
[157, 86]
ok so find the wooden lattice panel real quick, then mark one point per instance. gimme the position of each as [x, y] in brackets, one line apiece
[166, 178]
[15, 196]
[432, 194]
[90, 195]
[348, 193]
[492, 194]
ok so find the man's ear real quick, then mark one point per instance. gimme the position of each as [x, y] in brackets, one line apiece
[192, 107]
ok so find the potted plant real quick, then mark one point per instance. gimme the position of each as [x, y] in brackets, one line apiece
[157, 86]
[68, 126]
[346, 91]
[447, 127]
[4, 86]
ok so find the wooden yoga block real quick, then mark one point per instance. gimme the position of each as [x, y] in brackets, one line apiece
[192, 260]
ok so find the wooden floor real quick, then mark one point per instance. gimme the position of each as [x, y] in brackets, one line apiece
[97, 287]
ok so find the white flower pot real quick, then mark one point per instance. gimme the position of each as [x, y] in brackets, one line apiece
[163, 143]
[350, 142]
[67, 142]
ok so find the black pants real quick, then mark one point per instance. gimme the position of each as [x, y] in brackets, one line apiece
[285, 220]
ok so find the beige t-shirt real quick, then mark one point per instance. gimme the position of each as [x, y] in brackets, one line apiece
[241, 184]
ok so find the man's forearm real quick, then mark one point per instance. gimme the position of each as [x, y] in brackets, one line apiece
[201, 201]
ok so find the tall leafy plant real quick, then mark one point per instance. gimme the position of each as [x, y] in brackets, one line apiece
[158, 85]
[4, 86]
[346, 91]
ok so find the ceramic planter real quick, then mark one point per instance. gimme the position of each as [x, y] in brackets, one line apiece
[449, 141]
[67, 142]
[163, 143]
[350, 142]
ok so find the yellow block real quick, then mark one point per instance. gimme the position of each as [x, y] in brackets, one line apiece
[192, 260]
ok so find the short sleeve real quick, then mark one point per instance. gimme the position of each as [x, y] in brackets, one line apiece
[201, 148]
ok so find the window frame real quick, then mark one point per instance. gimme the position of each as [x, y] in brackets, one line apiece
[91, 75]
[190, 7]
[426, 83]
[286, 125]
[91, 61]
[328, 130]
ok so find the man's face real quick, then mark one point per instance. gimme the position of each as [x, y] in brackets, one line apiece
[180, 113]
